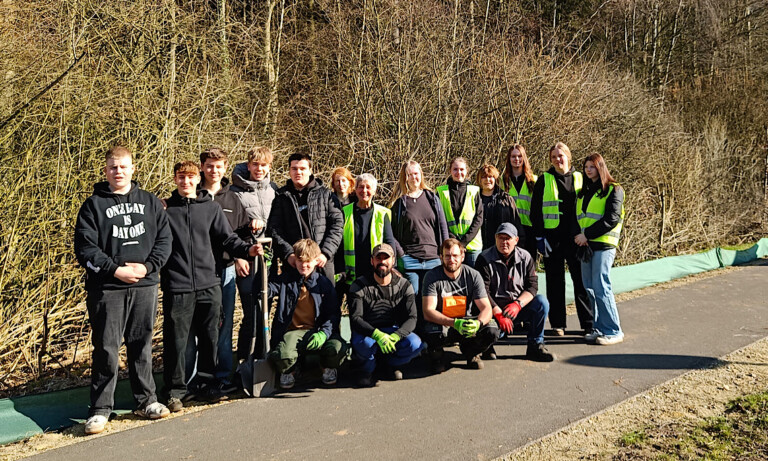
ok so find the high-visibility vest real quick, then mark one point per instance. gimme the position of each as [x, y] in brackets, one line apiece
[523, 201]
[377, 235]
[550, 205]
[464, 222]
[595, 211]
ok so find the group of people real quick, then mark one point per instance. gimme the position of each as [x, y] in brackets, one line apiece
[453, 265]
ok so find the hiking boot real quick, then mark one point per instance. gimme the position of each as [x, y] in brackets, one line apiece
[287, 380]
[606, 340]
[95, 424]
[489, 354]
[539, 353]
[592, 336]
[436, 356]
[365, 380]
[330, 375]
[174, 405]
[475, 363]
[154, 410]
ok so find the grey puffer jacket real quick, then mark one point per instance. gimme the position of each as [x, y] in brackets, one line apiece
[256, 196]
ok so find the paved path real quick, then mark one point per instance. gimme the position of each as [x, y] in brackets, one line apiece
[464, 414]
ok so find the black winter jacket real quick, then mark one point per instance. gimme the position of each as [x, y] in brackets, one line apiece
[235, 213]
[114, 229]
[500, 209]
[612, 214]
[201, 234]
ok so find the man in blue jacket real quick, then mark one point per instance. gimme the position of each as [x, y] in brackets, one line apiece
[307, 315]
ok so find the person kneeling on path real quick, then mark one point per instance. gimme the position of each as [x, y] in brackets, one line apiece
[307, 314]
[511, 282]
[456, 309]
[383, 317]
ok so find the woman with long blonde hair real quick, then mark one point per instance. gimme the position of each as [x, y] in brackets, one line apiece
[519, 181]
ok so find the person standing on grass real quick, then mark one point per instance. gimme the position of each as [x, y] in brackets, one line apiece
[519, 181]
[498, 206]
[122, 239]
[600, 209]
[463, 210]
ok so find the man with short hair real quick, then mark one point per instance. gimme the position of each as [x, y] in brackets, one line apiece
[511, 282]
[122, 239]
[191, 285]
[382, 313]
[302, 209]
[456, 309]
[306, 319]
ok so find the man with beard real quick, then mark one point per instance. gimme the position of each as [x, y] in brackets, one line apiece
[456, 309]
[383, 317]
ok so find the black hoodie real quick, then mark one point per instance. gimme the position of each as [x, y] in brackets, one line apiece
[200, 231]
[114, 229]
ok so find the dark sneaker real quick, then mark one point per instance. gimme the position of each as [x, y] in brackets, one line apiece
[539, 353]
[365, 380]
[174, 404]
[489, 354]
[475, 363]
[227, 388]
[436, 356]
[212, 394]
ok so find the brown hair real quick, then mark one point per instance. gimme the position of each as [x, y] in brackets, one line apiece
[450, 243]
[214, 153]
[186, 167]
[260, 154]
[485, 171]
[306, 250]
[117, 152]
[401, 187]
[605, 176]
[526, 168]
[342, 171]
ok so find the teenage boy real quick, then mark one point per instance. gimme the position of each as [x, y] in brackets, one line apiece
[252, 185]
[307, 314]
[191, 286]
[304, 208]
[122, 239]
[214, 162]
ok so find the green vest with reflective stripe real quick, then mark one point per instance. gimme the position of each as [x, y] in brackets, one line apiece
[377, 235]
[550, 205]
[595, 211]
[523, 201]
[461, 226]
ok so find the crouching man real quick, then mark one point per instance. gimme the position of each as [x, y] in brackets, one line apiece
[456, 309]
[511, 282]
[383, 316]
[307, 313]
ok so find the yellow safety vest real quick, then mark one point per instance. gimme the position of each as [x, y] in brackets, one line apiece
[523, 201]
[461, 226]
[377, 235]
[550, 205]
[595, 211]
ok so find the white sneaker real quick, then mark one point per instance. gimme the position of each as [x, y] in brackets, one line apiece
[329, 376]
[155, 410]
[287, 380]
[592, 336]
[608, 340]
[95, 424]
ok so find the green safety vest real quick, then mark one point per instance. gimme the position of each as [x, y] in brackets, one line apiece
[523, 201]
[461, 226]
[550, 205]
[595, 211]
[377, 235]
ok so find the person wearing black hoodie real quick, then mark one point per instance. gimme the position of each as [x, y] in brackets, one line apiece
[498, 206]
[122, 239]
[304, 208]
[553, 214]
[191, 283]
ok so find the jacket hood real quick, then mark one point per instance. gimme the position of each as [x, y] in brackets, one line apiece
[314, 183]
[241, 177]
[224, 186]
[456, 185]
[102, 189]
[202, 196]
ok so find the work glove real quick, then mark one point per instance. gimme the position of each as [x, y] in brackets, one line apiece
[512, 309]
[316, 341]
[467, 328]
[504, 323]
[384, 341]
[543, 246]
[395, 338]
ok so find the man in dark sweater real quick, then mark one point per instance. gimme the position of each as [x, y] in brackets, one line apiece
[122, 239]
[383, 316]
[191, 283]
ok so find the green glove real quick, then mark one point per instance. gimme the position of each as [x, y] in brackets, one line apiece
[466, 327]
[316, 341]
[395, 338]
[384, 341]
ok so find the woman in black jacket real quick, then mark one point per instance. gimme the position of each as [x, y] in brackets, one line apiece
[498, 206]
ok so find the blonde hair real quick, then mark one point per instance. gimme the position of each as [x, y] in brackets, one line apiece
[563, 148]
[401, 187]
[116, 152]
[260, 154]
[306, 250]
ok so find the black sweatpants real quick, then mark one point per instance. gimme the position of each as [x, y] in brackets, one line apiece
[554, 267]
[116, 314]
[201, 308]
[438, 337]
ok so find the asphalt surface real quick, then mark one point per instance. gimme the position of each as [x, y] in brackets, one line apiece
[463, 413]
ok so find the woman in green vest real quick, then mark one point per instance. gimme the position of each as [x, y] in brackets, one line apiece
[366, 224]
[600, 208]
[553, 215]
[519, 181]
[463, 210]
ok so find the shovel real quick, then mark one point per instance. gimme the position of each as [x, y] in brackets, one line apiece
[257, 374]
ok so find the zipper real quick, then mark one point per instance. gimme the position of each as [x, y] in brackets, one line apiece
[191, 257]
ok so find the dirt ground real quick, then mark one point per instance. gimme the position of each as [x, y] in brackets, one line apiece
[689, 398]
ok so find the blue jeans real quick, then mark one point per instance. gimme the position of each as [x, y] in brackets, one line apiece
[415, 269]
[470, 257]
[596, 277]
[535, 314]
[365, 349]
